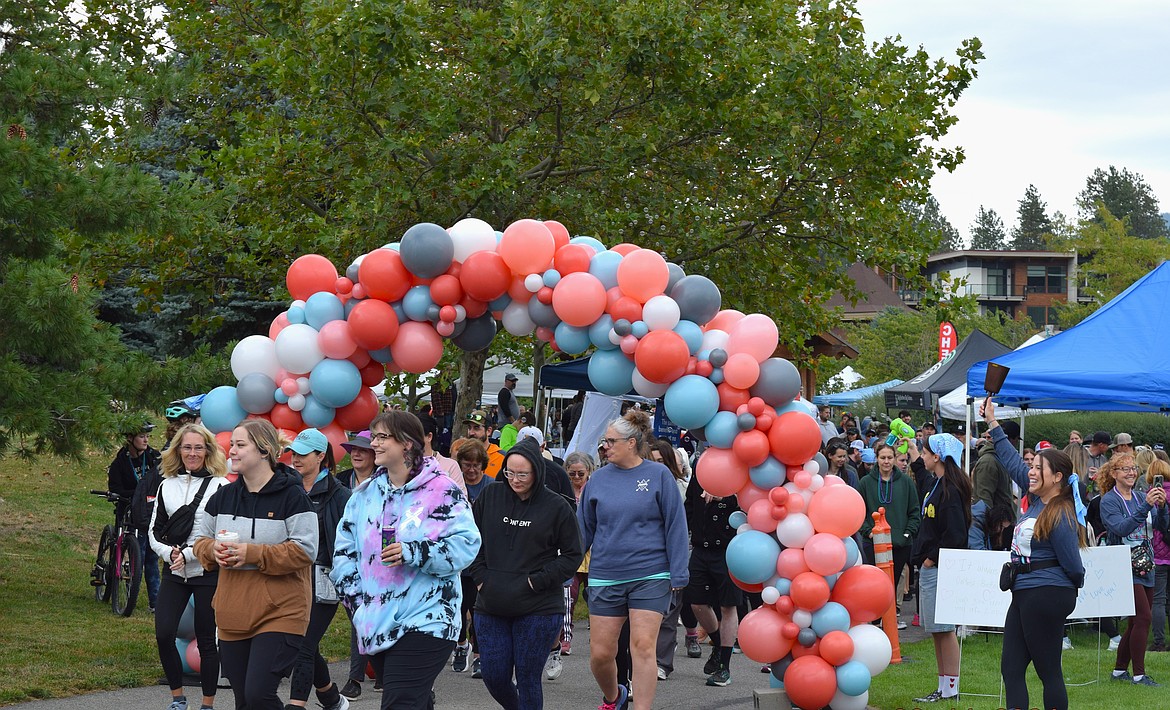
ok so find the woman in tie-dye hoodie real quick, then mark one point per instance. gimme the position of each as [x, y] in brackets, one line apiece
[406, 534]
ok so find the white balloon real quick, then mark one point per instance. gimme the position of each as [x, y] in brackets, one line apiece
[816, 483]
[471, 235]
[297, 349]
[533, 282]
[812, 466]
[795, 530]
[770, 595]
[660, 313]
[646, 388]
[744, 528]
[460, 313]
[255, 353]
[303, 385]
[298, 303]
[871, 647]
[714, 339]
[614, 337]
[841, 701]
[516, 320]
[296, 402]
[802, 618]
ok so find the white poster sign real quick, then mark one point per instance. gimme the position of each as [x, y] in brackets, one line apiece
[968, 586]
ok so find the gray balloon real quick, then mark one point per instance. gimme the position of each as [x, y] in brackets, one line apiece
[806, 638]
[477, 334]
[698, 298]
[186, 629]
[426, 250]
[256, 393]
[542, 314]
[433, 313]
[822, 462]
[398, 311]
[778, 667]
[676, 274]
[746, 421]
[351, 273]
[718, 357]
[623, 327]
[778, 383]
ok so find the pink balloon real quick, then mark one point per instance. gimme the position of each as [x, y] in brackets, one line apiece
[802, 478]
[791, 563]
[760, 517]
[335, 340]
[527, 247]
[761, 636]
[741, 371]
[288, 386]
[795, 504]
[721, 473]
[838, 510]
[825, 554]
[833, 480]
[579, 299]
[445, 328]
[193, 658]
[279, 323]
[417, 348]
[723, 320]
[749, 494]
[629, 344]
[755, 335]
[642, 275]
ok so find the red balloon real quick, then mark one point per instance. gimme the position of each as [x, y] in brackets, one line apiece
[192, 654]
[785, 606]
[751, 446]
[865, 591]
[721, 473]
[224, 439]
[485, 276]
[446, 290]
[474, 307]
[809, 591]
[360, 358]
[383, 275]
[343, 286]
[284, 418]
[810, 682]
[372, 373]
[662, 356]
[447, 313]
[756, 406]
[731, 397]
[836, 647]
[309, 274]
[764, 421]
[779, 495]
[752, 588]
[790, 630]
[559, 232]
[628, 308]
[518, 291]
[760, 636]
[799, 651]
[544, 295]
[625, 248]
[579, 299]
[373, 324]
[417, 348]
[790, 564]
[357, 415]
[572, 258]
[795, 438]
[759, 516]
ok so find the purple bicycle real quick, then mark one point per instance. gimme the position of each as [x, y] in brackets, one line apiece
[118, 570]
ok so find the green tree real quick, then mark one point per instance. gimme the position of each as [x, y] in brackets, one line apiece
[930, 218]
[1033, 225]
[1128, 197]
[987, 231]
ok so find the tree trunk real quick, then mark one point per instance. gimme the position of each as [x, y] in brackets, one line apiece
[470, 388]
[539, 404]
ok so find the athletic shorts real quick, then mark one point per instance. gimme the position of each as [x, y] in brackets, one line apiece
[618, 599]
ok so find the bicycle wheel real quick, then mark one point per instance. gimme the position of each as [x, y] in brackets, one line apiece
[129, 576]
[99, 576]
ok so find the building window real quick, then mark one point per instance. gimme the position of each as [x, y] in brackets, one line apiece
[1039, 315]
[1037, 279]
[1056, 279]
[997, 282]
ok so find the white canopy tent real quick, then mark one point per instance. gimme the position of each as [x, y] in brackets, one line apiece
[954, 404]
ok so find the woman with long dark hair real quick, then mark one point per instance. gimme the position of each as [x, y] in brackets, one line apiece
[946, 515]
[890, 488]
[1047, 563]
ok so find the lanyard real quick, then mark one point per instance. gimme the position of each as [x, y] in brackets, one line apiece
[137, 475]
[926, 500]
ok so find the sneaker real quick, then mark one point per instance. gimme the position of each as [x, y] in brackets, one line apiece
[1114, 643]
[1158, 647]
[932, 698]
[352, 689]
[1147, 680]
[1066, 644]
[735, 648]
[341, 704]
[720, 678]
[553, 666]
[1125, 676]
[914, 622]
[712, 663]
[907, 597]
[566, 648]
[459, 665]
[178, 704]
[475, 670]
[377, 684]
[661, 673]
[901, 625]
[766, 668]
[693, 650]
[619, 703]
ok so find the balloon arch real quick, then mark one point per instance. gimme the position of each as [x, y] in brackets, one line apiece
[655, 330]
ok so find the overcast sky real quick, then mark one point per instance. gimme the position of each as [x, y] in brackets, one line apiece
[1066, 87]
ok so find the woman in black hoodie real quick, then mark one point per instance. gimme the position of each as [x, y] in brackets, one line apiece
[531, 546]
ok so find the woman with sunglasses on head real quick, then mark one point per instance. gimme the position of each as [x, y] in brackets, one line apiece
[632, 519]
[531, 547]
[1126, 512]
[192, 459]
[579, 467]
[406, 534]
[1046, 560]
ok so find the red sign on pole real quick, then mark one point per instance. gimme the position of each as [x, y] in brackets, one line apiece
[946, 340]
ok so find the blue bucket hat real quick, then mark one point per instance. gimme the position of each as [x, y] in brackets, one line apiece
[308, 441]
[947, 447]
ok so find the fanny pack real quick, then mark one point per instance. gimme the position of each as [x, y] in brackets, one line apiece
[1012, 570]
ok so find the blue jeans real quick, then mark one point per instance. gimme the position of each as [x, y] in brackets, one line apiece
[149, 568]
[517, 644]
[1161, 575]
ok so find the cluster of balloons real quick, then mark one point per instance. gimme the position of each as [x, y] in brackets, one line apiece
[794, 546]
[185, 642]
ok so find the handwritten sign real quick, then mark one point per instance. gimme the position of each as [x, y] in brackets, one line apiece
[968, 586]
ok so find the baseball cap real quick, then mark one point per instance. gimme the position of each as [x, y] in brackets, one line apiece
[1122, 439]
[510, 377]
[530, 432]
[1041, 445]
[360, 440]
[308, 441]
[859, 444]
[868, 456]
[1010, 429]
[1101, 437]
[477, 417]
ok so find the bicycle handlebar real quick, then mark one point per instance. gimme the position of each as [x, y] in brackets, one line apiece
[108, 495]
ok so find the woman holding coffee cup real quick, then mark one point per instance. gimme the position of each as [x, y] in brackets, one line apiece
[265, 581]
[193, 468]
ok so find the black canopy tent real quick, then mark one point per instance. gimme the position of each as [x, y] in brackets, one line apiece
[923, 391]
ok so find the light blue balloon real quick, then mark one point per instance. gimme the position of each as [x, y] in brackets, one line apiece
[551, 278]
[280, 396]
[399, 312]
[335, 383]
[639, 329]
[382, 355]
[704, 355]
[851, 552]
[572, 340]
[774, 682]
[416, 302]
[751, 556]
[782, 585]
[769, 474]
[599, 332]
[323, 307]
[853, 678]
[221, 410]
[736, 519]
[830, 617]
[611, 372]
[296, 315]
[591, 241]
[500, 303]
[691, 401]
[721, 430]
[316, 414]
[792, 406]
[717, 375]
[604, 266]
[691, 334]
[831, 580]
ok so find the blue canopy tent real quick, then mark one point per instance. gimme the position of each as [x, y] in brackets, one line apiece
[1116, 360]
[845, 399]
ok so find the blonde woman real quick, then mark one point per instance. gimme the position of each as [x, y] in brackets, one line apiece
[193, 469]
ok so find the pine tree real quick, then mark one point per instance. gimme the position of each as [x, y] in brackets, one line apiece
[987, 231]
[1034, 225]
[1128, 197]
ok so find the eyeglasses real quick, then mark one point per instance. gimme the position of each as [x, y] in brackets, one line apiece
[1126, 469]
[380, 437]
[515, 476]
[610, 442]
[193, 448]
[577, 474]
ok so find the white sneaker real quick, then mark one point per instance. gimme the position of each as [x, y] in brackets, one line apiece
[1114, 643]
[553, 666]
[661, 673]
[1066, 644]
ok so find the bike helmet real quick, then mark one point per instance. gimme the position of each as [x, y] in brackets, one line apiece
[178, 409]
[134, 428]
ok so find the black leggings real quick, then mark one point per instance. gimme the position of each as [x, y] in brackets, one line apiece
[310, 669]
[1032, 634]
[467, 629]
[256, 666]
[409, 668]
[173, 596]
